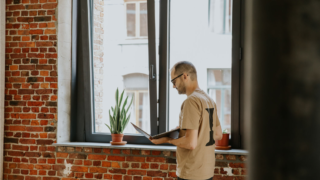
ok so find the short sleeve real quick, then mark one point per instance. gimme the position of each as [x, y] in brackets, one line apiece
[190, 115]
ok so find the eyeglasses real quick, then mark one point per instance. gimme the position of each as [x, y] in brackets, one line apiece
[173, 80]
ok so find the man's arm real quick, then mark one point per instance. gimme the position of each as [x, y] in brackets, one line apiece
[218, 133]
[189, 141]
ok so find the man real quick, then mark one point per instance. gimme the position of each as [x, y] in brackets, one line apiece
[199, 126]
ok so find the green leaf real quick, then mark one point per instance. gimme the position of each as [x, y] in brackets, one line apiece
[111, 123]
[108, 127]
[117, 96]
[127, 120]
[121, 98]
[129, 105]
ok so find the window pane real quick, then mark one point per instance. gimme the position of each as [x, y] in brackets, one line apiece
[119, 63]
[131, 20]
[210, 52]
[219, 88]
[143, 19]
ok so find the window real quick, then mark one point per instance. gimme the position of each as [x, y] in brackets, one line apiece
[220, 16]
[219, 89]
[136, 18]
[143, 72]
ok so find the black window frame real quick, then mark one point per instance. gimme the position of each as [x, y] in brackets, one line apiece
[82, 129]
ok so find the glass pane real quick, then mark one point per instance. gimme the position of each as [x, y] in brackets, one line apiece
[120, 63]
[207, 46]
[143, 19]
[131, 20]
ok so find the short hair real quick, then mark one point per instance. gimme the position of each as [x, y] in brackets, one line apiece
[185, 67]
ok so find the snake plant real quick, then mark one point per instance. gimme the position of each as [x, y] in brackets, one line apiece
[118, 118]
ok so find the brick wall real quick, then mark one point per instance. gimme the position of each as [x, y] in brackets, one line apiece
[31, 112]
[98, 61]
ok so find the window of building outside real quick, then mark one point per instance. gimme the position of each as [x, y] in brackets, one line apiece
[123, 65]
[126, 66]
[136, 19]
[210, 51]
[220, 16]
[219, 88]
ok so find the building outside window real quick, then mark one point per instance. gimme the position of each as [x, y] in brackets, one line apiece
[219, 89]
[136, 19]
[126, 63]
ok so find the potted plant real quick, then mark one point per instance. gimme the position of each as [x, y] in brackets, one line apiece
[223, 144]
[118, 119]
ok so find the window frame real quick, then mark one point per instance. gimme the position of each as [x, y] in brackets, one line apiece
[160, 106]
[237, 69]
[85, 127]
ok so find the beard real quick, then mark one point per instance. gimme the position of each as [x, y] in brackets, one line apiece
[182, 89]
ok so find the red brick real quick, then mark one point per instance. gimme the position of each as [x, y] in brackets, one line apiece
[16, 153]
[106, 151]
[25, 166]
[96, 157]
[26, 44]
[50, 31]
[79, 169]
[17, 128]
[145, 166]
[21, 148]
[135, 159]
[106, 164]
[156, 153]
[118, 171]
[25, 19]
[43, 167]
[137, 172]
[28, 116]
[33, 6]
[156, 159]
[35, 129]
[33, 154]
[98, 170]
[154, 166]
[44, 142]
[43, 44]
[49, 6]
[116, 158]
[164, 167]
[26, 91]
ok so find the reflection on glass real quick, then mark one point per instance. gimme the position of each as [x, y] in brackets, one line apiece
[143, 19]
[120, 62]
[219, 88]
[131, 20]
[207, 46]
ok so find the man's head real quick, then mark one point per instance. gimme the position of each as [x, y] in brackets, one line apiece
[183, 76]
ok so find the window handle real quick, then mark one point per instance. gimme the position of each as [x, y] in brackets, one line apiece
[151, 73]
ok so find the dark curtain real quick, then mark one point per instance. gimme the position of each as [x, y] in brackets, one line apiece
[82, 108]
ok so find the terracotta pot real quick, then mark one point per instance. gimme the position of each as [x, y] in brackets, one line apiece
[224, 141]
[117, 137]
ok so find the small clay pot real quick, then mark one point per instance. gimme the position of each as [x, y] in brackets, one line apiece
[117, 137]
[224, 141]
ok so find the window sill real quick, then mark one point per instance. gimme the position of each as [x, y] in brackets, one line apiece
[142, 147]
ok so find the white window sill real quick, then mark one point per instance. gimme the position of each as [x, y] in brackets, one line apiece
[142, 147]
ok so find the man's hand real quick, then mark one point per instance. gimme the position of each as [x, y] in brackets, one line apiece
[160, 141]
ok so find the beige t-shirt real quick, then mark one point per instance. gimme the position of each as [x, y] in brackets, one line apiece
[199, 112]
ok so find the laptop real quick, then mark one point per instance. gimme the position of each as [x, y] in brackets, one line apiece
[174, 134]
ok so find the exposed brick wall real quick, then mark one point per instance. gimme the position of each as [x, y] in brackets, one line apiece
[31, 111]
[98, 61]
